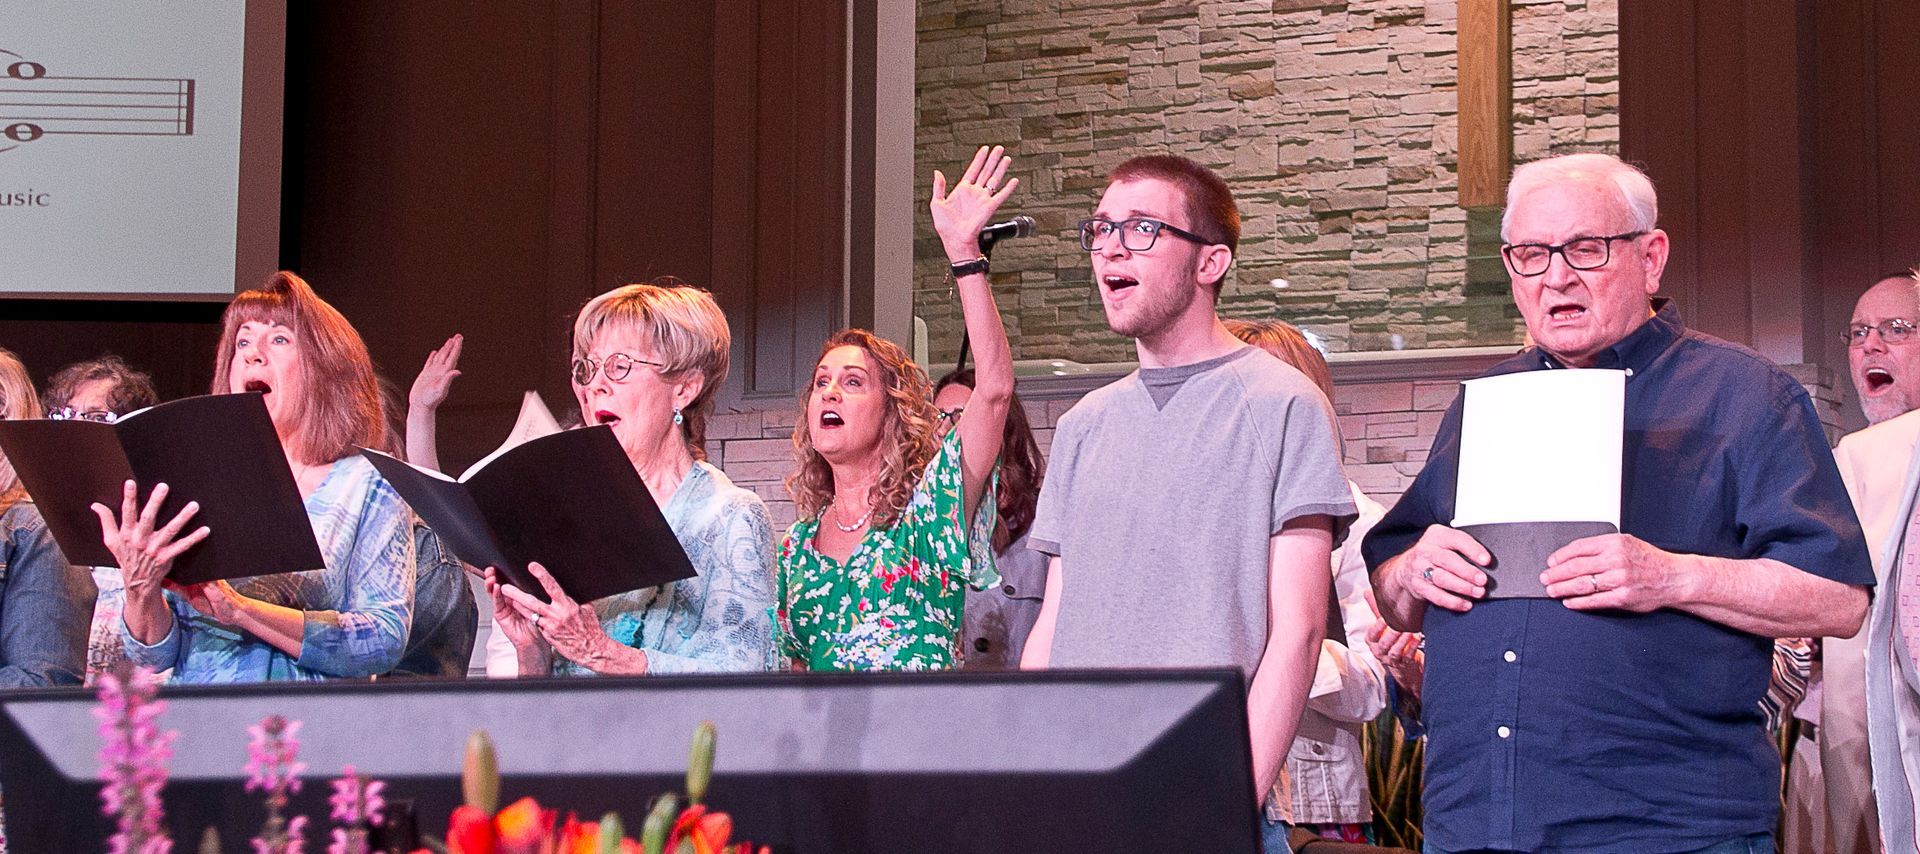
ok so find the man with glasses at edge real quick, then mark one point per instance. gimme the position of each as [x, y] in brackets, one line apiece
[1190, 507]
[1622, 713]
[1869, 684]
[1829, 801]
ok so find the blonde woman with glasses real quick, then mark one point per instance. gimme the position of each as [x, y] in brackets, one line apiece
[647, 362]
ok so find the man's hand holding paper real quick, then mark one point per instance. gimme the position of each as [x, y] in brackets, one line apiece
[1616, 571]
[1442, 568]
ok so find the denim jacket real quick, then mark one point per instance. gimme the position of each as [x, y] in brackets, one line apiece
[46, 604]
[445, 615]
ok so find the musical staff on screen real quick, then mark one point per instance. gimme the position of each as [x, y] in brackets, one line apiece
[35, 104]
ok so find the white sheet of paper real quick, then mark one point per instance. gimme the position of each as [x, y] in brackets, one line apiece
[535, 420]
[1541, 446]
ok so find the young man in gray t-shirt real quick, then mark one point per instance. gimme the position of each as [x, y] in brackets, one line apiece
[1192, 506]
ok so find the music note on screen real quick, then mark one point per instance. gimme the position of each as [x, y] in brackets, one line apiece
[36, 103]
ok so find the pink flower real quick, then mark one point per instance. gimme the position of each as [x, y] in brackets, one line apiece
[274, 767]
[357, 803]
[133, 761]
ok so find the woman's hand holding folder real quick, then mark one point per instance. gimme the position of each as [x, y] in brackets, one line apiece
[146, 555]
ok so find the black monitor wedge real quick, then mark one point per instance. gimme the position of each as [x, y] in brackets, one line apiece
[953, 762]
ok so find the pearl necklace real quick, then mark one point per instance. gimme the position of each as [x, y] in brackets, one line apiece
[857, 524]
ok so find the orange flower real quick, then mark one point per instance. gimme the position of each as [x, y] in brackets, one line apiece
[470, 832]
[578, 837]
[708, 831]
[523, 827]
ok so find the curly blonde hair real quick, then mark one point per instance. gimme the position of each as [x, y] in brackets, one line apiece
[909, 431]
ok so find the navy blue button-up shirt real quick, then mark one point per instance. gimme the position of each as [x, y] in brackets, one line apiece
[1554, 729]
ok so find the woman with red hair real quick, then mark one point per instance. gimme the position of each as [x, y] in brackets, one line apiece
[347, 619]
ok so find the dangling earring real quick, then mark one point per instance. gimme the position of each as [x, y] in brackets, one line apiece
[677, 417]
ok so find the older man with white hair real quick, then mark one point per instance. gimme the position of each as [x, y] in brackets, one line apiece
[1621, 712]
[1875, 709]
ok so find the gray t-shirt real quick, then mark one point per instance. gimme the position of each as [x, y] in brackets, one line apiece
[1162, 492]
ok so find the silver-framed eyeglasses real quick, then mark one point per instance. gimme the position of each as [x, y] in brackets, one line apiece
[1580, 253]
[616, 366]
[68, 413]
[1136, 234]
[1893, 330]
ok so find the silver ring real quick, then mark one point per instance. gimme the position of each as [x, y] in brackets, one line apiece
[1427, 573]
[534, 621]
[1593, 580]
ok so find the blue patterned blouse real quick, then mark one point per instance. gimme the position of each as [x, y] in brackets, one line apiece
[358, 608]
[719, 620]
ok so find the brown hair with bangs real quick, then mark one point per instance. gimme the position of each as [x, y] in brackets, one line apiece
[17, 402]
[685, 328]
[340, 410]
[908, 431]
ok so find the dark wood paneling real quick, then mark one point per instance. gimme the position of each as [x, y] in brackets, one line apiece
[1867, 164]
[173, 341]
[1780, 137]
[781, 242]
[486, 169]
[1657, 125]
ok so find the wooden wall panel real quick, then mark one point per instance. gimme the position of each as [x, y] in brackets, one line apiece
[486, 169]
[1780, 138]
[780, 236]
[1486, 102]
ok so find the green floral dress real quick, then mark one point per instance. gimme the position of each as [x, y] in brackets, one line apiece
[895, 603]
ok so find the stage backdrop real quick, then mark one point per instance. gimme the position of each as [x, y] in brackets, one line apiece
[486, 170]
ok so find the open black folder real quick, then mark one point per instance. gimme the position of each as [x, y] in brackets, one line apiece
[219, 450]
[570, 501]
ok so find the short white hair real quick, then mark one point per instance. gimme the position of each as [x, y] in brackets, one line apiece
[1635, 188]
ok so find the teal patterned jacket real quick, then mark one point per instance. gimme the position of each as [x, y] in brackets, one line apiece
[718, 621]
[358, 609]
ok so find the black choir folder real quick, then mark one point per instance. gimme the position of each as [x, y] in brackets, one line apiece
[219, 450]
[570, 501]
[1520, 551]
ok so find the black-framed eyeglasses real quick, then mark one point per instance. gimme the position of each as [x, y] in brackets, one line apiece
[1136, 234]
[1580, 253]
[952, 416]
[616, 366]
[68, 413]
[1895, 330]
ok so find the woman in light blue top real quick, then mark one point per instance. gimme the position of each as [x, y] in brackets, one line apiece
[648, 361]
[347, 619]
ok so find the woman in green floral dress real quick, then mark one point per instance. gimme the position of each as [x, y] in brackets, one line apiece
[873, 575]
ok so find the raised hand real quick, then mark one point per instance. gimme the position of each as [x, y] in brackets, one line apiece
[961, 211]
[146, 554]
[430, 388]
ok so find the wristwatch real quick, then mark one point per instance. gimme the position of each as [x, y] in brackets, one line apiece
[967, 268]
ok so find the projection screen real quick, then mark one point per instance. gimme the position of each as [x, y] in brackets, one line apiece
[139, 147]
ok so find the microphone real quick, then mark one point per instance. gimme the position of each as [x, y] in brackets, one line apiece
[1019, 226]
